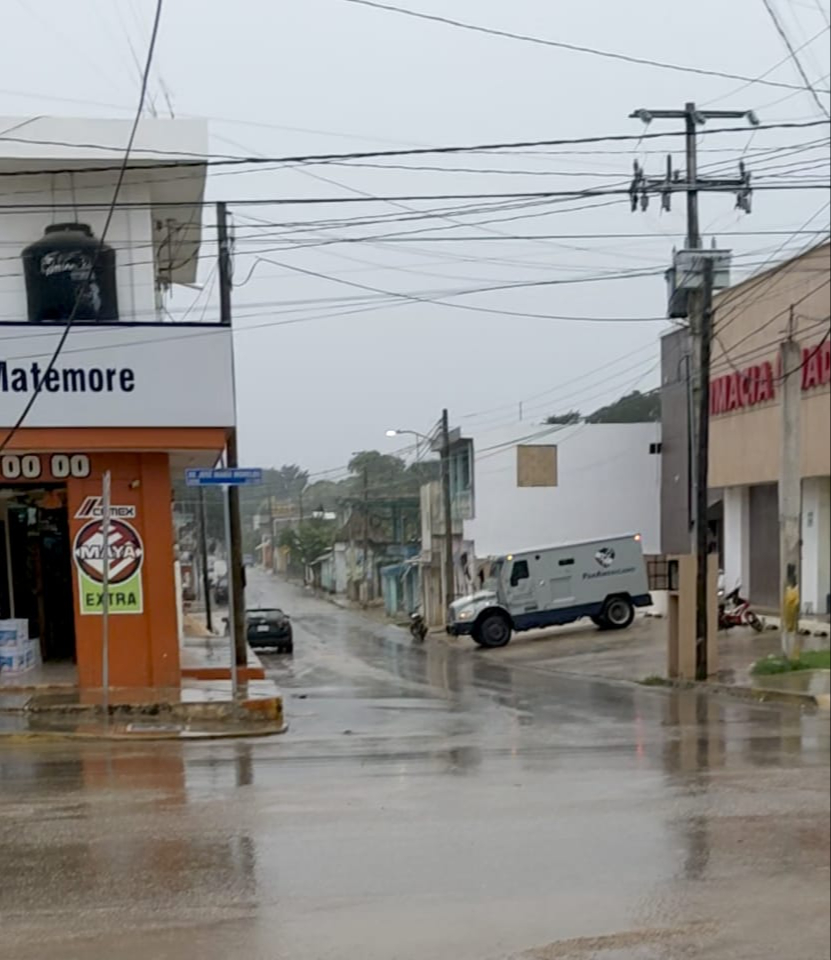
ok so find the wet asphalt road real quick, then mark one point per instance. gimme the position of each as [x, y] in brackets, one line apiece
[427, 804]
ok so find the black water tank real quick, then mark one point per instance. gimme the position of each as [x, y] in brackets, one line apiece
[57, 267]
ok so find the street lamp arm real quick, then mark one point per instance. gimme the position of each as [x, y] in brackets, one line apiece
[412, 433]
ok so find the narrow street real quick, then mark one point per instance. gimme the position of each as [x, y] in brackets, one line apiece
[427, 804]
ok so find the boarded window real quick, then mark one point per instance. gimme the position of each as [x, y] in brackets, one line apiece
[537, 466]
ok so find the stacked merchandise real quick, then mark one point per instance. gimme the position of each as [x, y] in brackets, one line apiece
[18, 652]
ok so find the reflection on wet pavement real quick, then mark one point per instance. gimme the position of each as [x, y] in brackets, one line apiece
[433, 804]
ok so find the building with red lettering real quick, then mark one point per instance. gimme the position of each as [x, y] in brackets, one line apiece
[132, 387]
[751, 321]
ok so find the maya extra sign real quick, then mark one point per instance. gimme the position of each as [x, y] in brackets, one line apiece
[122, 556]
[117, 376]
[760, 382]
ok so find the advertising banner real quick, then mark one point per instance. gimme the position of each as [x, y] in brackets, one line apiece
[124, 556]
[118, 375]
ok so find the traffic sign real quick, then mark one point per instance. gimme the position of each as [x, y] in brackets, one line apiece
[223, 478]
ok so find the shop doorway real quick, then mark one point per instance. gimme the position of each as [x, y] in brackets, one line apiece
[36, 567]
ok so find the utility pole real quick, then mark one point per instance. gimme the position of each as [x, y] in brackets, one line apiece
[702, 531]
[203, 560]
[366, 536]
[790, 488]
[236, 569]
[447, 499]
[699, 285]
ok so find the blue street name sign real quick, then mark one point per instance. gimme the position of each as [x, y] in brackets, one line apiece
[223, 478]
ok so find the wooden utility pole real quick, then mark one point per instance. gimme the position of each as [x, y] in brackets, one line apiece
[447, 501]
[236, 569]
[790, 488]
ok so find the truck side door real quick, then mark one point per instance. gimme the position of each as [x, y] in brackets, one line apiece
[520, 591]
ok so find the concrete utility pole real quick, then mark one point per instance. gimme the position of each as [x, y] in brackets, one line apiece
[236, 569]
[203, 559]
[702, 531]
[366, 536]
[447, 500]
[790, 488]
[700, 311]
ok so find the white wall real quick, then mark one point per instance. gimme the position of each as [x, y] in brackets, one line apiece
[609, 484]
[737, 538]
[816, 544]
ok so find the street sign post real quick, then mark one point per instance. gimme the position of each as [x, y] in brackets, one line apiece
[226, 479]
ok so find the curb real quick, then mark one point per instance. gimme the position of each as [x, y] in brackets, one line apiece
[259, 732]
[757, 694]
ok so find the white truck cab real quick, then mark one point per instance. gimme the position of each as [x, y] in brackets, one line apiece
[604, 580]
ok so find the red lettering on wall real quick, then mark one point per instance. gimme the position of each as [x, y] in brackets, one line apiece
[757, 384]
[767, 388]
[734, 400]
[718, 396]
[810, 368]
[825, 363]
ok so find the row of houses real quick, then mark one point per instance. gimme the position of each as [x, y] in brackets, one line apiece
[523, 484]
[514, 486]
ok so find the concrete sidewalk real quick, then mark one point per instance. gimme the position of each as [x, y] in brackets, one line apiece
[198, 710]
[640, 654]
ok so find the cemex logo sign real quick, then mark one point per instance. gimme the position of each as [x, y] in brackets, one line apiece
[122, 557]
[758, 384]
[93, 509]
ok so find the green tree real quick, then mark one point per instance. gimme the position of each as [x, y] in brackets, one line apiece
[573, 416]
[308, 542]
[635, 407]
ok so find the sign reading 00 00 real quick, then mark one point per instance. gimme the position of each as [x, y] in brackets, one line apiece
[33, 466]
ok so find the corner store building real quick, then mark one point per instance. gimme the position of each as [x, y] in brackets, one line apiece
[141, 398]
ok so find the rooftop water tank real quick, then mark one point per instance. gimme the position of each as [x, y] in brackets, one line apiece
[68, 266]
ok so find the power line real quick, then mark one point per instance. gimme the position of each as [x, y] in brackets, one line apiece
[573, 47]
[794, 56]
[767, 73]
[85, 285]
[214, 160]
[586, 193]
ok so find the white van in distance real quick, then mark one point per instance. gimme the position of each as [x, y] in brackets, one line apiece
[604, 580]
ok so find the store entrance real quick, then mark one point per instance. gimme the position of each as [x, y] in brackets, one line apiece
[36, 567]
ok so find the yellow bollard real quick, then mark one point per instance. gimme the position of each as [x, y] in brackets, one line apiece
[790, 621]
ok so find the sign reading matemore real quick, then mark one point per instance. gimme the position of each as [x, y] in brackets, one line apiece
[123, 557]
[758, 384]
[118, 375]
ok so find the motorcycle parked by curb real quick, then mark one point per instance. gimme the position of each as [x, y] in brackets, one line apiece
[735, 611]
[418, 628]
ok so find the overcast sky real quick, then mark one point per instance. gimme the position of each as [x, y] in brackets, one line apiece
[278, 77]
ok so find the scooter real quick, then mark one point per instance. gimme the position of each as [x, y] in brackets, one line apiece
[418, 628]
[735, 611]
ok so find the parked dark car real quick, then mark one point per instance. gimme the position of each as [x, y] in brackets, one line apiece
[221, 594]
[270, 628]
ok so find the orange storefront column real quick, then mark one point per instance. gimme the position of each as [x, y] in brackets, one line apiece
[144, 641]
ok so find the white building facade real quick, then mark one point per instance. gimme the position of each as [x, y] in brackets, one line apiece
[537, 485]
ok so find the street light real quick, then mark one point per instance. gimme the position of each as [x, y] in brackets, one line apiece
[412, 433]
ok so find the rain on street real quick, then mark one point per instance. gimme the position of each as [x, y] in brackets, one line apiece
[427, 804]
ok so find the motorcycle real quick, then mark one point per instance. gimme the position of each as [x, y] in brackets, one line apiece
[418, 628]
[734, 611]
